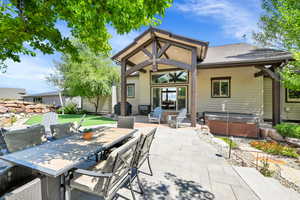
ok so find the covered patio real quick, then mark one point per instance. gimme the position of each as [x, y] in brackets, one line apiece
[161, 50]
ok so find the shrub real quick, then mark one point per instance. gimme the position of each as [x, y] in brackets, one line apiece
[70, 108]
[82, 112]
[288, 130]
[275, 148]
[59, 110]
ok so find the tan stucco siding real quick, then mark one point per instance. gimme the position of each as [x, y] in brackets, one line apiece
[104, 105]
[144, 87]
[134, 101]
[246, 90]
[289, 111]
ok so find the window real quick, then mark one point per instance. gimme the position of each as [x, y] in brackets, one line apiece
[220, 87]
[170, 77]
[292, 96]
[169, 98]
[37, 99]
[130, 90]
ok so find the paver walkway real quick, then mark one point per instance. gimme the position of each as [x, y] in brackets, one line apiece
[187, 168]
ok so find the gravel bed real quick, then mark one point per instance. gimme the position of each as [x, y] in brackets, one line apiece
[246, 159]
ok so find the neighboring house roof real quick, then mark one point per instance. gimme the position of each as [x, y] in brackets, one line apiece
[43, 94]
[242, 53]
[12, 93]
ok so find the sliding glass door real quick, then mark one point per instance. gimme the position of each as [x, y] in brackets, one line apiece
[169, 98]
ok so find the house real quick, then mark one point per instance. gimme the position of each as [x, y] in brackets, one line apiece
[12, 93]
[51, 98]
[160, 68]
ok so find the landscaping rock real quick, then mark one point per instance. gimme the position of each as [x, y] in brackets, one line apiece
[294, 142]
[264, 132]
[3, 109]
[11, 105]
[272, 133]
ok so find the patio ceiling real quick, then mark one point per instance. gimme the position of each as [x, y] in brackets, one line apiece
[179, 48]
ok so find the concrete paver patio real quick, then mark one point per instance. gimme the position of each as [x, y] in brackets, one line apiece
[187, 168]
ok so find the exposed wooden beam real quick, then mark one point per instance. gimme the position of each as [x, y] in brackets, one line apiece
[137, 49]
[128, 62]
[272, 74]
[147, 53]
[138, 67]
[133, 64]
[178, 44]
[165, 53]
[163, 50]
[174, 63]
[164, 61]
[260, 73]
[142, 70]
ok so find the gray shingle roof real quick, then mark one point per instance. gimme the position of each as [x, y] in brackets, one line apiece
[241, 53]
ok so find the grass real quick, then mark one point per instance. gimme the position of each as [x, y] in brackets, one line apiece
[229, 142]
[90, 120]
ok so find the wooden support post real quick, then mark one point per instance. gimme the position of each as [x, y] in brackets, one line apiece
[276, 107]
[194, 88]
[123, 88]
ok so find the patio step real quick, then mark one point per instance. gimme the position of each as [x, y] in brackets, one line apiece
[264, 187]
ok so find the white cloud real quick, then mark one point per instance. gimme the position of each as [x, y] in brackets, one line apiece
[236, 20]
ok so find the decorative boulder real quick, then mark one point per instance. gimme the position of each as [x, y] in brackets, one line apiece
[272, 133]
[3, 109]
[264, 132]
[293, 142]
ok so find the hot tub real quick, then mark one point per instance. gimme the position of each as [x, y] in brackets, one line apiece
[241, 125]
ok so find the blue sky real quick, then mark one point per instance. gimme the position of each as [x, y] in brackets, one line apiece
[216, 21]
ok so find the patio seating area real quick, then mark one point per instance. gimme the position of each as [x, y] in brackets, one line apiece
[117, 163]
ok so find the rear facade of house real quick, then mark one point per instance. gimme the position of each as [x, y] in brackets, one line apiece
[228, 76]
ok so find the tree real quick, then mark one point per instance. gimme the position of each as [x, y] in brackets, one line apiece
[280, 28]
[29, 25]
[92, 78]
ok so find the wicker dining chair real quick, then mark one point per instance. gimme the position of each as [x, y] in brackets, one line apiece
[62, 130]
[108, 176]
[20, 139]
[125, 122]
[31, 190]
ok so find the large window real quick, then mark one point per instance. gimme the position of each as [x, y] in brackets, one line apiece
[130, 90]
[169, 98]
[292, 96]
[220, 87]
[169, 77]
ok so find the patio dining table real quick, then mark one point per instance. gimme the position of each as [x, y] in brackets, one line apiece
[55, 159]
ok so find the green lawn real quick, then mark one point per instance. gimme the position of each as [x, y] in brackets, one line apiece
[90, 120]
[229, 142]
